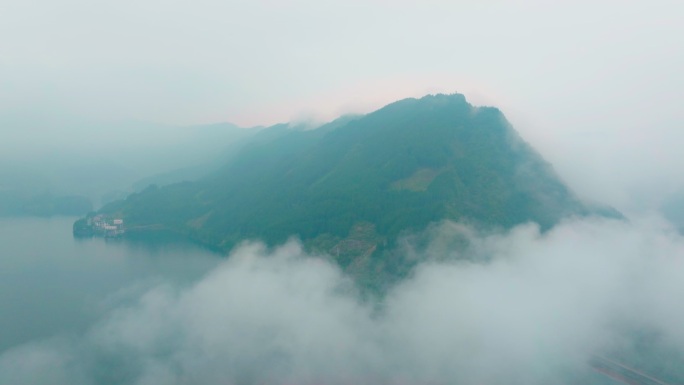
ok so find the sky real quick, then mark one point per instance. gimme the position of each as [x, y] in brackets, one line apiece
[593, 85]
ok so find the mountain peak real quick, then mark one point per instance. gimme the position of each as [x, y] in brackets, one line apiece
[430, 100]
[393, 171]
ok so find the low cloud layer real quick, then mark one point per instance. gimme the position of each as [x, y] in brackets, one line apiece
[518, 307]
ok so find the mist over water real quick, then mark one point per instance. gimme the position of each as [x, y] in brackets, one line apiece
[51, 283]
[102, 99]
[519, 307]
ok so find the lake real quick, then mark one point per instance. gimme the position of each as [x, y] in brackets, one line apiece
[272, 313]
[52, 283]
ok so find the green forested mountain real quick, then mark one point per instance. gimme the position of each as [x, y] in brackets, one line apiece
[352, 186]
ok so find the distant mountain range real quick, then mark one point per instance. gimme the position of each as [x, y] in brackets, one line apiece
[352, 187]
[44, 158]
[14, 204]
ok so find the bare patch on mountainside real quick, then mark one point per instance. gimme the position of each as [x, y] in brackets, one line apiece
[418, 181]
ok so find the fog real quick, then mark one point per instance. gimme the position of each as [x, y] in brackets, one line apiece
[95, 96]
[106, 160]
[593, 85]
[517, 307]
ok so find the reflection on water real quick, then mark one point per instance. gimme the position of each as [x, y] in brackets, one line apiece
[52, 283]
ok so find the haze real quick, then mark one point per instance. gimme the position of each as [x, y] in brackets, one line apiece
[595, 86]
[103, 98]
[522, 308]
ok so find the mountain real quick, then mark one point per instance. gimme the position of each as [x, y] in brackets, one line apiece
[352, 187]
[102, 160]
[15, 203]
[672, 209]
[25, 193]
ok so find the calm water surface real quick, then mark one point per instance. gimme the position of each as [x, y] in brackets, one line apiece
[52, 284]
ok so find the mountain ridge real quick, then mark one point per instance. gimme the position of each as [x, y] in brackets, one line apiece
[350, 187]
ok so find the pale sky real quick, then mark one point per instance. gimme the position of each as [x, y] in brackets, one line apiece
[594, 85]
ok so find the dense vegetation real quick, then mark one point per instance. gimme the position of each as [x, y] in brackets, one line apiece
[351, 187]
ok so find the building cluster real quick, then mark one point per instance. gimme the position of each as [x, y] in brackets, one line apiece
[108, 227]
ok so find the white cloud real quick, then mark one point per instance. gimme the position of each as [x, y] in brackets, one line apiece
[525, 307]
[595, 86]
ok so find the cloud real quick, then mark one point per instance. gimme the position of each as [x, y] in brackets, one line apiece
[519, 307]
[601, 79]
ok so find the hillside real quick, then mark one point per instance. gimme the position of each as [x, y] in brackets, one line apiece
[351, 187]
[101, 160]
